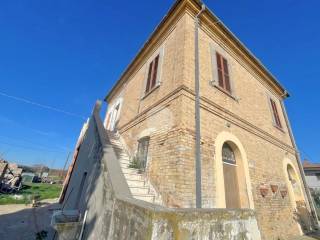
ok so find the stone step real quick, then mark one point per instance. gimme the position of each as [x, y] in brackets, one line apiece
[136, 183]
[126, 170]
[125, 161]
[124, 157]
[115, 145]
[118, 150]
[145, 197]
[124, 164]
[140, 190]
[113, 140]
[134, 176]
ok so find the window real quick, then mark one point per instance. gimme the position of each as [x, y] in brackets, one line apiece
[152, 74]
[275, 113]
[113, 117]
[228, 154]
[223, 73]
[143, 148]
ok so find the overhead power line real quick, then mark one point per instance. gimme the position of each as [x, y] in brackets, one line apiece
[37, 149]
[41, 105]
[23, 142]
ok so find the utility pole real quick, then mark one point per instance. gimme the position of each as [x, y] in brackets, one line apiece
[64, 167]
[197, 112]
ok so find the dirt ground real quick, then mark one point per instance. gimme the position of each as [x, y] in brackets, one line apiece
[21, 221]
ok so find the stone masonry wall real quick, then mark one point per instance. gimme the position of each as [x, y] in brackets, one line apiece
[171, 167]
[275, 214]
[251, 91]
[111, 214]
[132, 93]
[167, 116]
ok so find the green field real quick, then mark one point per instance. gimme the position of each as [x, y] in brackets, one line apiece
[44, 191]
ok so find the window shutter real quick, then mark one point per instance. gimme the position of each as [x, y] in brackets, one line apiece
[149, 77]
[226, 75]
[155, 71]
[275, 113]
[152, 74]
[223, 73]
[220, 70]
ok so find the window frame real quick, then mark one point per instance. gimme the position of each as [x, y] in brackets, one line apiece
[275, 113]
[234, 163]
[146, 91]
[223, 73]
[152, 74]
[215, 73]
[141, 142]
[108, 120]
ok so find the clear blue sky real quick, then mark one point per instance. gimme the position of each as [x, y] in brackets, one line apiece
[67, 54]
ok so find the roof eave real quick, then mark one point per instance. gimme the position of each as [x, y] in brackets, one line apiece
[158, 27]
[223, 27]
[246, 50]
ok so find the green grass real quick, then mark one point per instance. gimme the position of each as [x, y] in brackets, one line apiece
[44, 191]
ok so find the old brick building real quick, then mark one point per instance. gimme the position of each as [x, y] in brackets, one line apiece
[249, 158]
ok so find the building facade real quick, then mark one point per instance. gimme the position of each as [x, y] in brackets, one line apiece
[312, 172]
[249, 159]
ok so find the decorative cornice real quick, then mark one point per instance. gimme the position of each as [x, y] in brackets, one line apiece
[212, 107]
[213, 24]
[156, 38]
[208, 21]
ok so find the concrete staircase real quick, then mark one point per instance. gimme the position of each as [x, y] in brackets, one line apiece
[138, 184]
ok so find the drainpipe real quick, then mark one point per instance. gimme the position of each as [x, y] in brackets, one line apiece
[306, 188]
[197, 111]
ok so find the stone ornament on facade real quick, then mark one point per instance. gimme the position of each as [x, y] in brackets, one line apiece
[274, 188]
[284, 192]
[264, 189]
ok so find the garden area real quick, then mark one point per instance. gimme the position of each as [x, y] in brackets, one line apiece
[29, 191]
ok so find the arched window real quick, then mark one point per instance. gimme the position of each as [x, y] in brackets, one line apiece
[293, 179]
[228, 154]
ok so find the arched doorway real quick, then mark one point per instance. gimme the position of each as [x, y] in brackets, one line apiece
[230, 175]
[236, 194]
[233, 186]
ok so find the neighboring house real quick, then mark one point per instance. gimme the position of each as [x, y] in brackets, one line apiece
[28, 177]
[146, 150]
[312, 172]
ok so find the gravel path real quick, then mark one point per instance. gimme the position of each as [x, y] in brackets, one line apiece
[19, 221]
